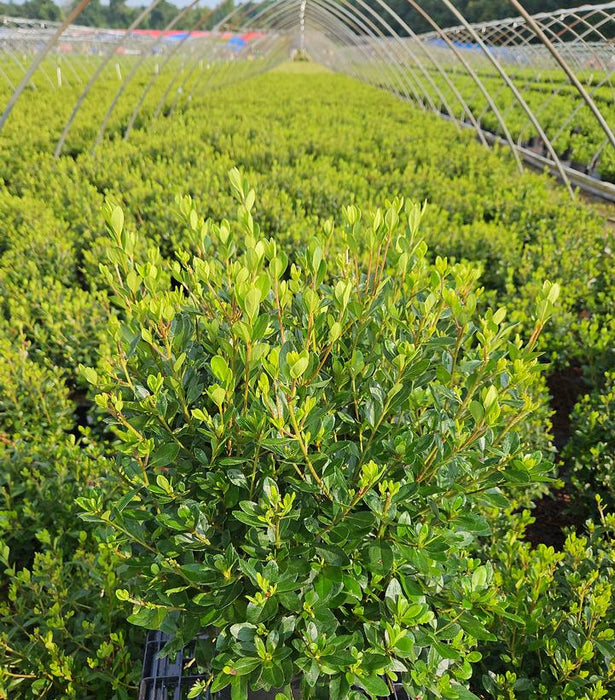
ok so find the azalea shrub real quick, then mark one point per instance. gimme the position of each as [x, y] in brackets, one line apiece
[559, 641]
[309, 448]
[589, 456]
[63, 632]
[34, 399]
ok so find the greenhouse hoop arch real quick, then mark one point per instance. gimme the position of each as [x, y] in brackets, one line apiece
[502, 79]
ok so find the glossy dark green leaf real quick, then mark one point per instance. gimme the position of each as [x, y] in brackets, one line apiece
[165, 455]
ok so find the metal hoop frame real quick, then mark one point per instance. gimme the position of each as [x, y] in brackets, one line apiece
[516, 71]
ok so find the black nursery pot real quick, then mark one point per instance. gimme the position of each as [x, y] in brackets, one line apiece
[172, 679]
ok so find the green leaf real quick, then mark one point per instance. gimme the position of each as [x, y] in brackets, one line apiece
[220, 368]
[252, 303]
[508, 615]
[335, 332]
[243, 666]
[165, 455]
[477, 411]
[217, 394]
[150, 618]
[273, 675]
[463, 693]
[479, 578]
[312, 674]
[297, 363]
[405, 647]
[474, 627]
[380, 557]
[393, 591]
[126, 499]
[243, 631]
[221, 681]
[236, 182]
[40, 685]
[239, 688]
[374, 685]
[90, 375]
[490, 398]
[197, 690]
[116, 220]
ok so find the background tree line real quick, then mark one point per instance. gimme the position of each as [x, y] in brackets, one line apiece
[473, 11]
[117, 14]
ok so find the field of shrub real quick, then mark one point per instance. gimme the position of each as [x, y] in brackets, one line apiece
[575, 134]
[313, 368]
[569, 123]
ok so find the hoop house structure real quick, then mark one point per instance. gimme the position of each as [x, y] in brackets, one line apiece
[542, 85]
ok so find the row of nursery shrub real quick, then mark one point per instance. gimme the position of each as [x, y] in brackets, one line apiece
[574, 131]
[312, 375]
[518, 228]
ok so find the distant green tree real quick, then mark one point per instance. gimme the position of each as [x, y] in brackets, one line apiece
[221, 11]
[42, 9]
[33, 9]
[203, 18]
[194, 17]
[93, 15]
[119, 15]
[162, 15]
[472, 10]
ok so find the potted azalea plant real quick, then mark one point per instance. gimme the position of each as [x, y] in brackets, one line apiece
[309, 442]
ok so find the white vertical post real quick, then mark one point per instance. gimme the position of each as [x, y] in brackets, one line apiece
[302, 26]
[59, 76]
[118, 71]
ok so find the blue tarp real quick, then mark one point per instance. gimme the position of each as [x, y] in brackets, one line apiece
[237, 43]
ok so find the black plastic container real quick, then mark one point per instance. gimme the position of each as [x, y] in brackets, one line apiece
[172, 679]
[166, 678]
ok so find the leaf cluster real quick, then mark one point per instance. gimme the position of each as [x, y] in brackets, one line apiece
[308, 447]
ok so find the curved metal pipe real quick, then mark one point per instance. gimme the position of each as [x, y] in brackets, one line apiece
[472, 73]
[449, 5]
[365, 25]
[195, 64]
[101, 66]
[153, 79]
[398, 42]
[566, 68]
[281, 8]
[39, 59]
[443, 73]
[7, 79]
[352, 28]
[323, 21]
[135, 68]
[172, 82]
